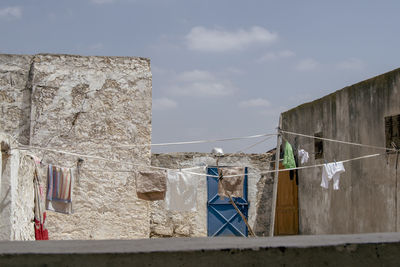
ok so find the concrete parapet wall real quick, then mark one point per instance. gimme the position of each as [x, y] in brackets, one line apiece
[331, 250]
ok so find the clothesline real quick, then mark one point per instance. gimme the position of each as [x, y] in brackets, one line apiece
[131, 163]
[338, 141]
[258, 173]
[21, 146]
[25, 147]
[91, 157]
[199, 141]
[298, 168]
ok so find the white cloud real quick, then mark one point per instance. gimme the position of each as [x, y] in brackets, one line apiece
[276, 55]
[14, 12]
[307, 65]
[254, 103]
[352, 64]
[101, 2]
[201, 84]
[164, 104]
[218, 40]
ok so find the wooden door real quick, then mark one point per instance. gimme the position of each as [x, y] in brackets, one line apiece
[287, 207]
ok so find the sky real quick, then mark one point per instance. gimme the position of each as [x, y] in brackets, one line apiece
[221, 68]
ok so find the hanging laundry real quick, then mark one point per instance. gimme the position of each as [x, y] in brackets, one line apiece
[303, 155]
[151, 185]
[288, 158]
[59, 189]
[232, 186]
[293, 173]
[181, 192]
[41, 233]
[332, 171]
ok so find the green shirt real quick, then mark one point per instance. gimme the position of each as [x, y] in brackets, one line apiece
[288, 158]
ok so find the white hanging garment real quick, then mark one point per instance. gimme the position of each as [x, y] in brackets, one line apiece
[332, 170]
[303, 155]
[181, 192]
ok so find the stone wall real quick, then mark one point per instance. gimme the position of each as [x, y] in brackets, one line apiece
[86, 105]
[23, 204]
[15, 96]
[368, 197]
[16, 192]
[194, 224]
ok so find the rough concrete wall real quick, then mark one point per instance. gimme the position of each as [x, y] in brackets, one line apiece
[90, 105]
[194, 224]
[367, 200]
[15, 96]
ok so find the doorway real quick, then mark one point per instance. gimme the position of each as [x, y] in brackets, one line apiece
[287, 206]
[222, 218]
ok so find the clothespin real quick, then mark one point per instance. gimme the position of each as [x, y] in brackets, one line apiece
[394, 145]
[79, 164]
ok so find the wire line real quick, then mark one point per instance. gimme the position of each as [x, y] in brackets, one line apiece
[339, 141]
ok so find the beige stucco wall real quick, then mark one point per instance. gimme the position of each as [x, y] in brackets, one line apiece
[166, 223]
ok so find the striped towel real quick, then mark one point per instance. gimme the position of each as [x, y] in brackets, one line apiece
[59, 185]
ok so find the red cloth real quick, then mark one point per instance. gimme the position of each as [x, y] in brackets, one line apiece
[41, 232]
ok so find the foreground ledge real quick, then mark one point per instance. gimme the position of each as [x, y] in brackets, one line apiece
[328, 250]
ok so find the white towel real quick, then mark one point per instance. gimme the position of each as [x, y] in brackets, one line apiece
[181, 192]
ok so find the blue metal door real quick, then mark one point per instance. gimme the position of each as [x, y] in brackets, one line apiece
[222, 218]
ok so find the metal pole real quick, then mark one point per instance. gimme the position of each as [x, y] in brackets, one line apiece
[241, 215]
[275, 189]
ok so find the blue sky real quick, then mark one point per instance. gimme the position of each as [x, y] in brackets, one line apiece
[220, 68]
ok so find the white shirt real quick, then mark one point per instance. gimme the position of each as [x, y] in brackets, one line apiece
[332, 170]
